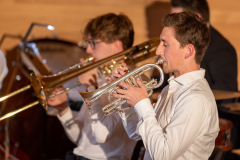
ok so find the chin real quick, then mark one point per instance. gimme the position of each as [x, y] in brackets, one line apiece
[166, 71]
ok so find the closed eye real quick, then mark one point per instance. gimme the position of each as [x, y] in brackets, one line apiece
[164, 43]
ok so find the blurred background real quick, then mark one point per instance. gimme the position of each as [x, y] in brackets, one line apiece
[38, 136]
[70, 17]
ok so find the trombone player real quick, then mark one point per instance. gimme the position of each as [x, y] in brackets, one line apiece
[98, 136]
[183, 124]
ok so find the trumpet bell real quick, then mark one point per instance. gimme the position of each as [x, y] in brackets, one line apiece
[44, 85]
[90, 97]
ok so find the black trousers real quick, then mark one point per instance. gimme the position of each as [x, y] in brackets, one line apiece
[71, 156]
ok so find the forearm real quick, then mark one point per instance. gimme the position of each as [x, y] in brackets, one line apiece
[130, 121]
[71, 125]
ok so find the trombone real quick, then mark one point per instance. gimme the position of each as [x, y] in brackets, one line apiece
[43, 85]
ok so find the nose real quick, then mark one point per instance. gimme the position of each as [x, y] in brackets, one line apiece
[89, 50]
[159, 50]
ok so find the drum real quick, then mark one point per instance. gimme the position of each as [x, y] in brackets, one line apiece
[223, 139]
[33, 134]
[60, 55]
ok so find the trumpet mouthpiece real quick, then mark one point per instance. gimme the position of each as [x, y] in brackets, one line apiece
[160, 61]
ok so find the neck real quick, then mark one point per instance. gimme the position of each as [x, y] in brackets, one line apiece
[186, 69]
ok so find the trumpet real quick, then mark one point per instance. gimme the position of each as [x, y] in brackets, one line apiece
[129, 78]
[43, 85]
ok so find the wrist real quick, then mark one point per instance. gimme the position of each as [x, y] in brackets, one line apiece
[63, 110]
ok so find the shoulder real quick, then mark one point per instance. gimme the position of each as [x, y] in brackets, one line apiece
[197, 94]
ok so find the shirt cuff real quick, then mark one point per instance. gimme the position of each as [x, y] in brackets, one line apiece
[143, 107]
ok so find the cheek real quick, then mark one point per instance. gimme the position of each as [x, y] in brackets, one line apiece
[167, 55]
[88, 50]
[171, 59]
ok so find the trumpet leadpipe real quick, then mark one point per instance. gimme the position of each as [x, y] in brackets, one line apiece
[44, 84]
[90, 97]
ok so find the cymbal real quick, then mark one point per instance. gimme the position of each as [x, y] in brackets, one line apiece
[220, 95]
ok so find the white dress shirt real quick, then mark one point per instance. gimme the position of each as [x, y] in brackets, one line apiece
[184, 123]
[97, 136]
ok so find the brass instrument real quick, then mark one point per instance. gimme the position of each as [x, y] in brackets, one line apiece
[129, 78]
[78, 65]
[44, 85]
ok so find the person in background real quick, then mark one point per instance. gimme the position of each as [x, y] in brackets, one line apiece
[220, 59]
[183, 124]
[98, 136]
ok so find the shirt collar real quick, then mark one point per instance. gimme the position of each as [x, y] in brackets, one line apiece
[188, 77]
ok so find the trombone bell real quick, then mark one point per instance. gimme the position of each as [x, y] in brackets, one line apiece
[38, 88]
[43, 85]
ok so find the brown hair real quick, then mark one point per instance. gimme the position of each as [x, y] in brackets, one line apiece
[190, 29]
[110, 27]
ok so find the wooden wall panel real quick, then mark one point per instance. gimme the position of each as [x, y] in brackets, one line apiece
[70, 17]
[225, 17]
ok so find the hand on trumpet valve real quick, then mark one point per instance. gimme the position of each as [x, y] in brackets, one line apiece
[119, 72]
[59, 102]
[88, 78]
[128, 92]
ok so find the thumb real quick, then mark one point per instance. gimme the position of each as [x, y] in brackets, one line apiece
[123, 64]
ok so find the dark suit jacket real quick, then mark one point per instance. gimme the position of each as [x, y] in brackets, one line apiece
[220, 63]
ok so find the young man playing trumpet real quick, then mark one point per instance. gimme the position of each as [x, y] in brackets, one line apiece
[98, 136]
[183, 124]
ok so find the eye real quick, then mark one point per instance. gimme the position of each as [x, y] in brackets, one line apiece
[165, 44]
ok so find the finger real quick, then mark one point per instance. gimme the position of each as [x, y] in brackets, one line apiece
[95, 77]
[140, 84]
[124, 85]
[51, 99]
[82, 61]
[118, 95]
[56, 90]
[92, 82]
[116, 74]
[121, 91]
[123, 64]
[110, 79]
[124, 69]
[121, 71]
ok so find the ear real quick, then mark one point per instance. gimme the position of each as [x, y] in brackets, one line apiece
[117, 46]
[190, 51]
